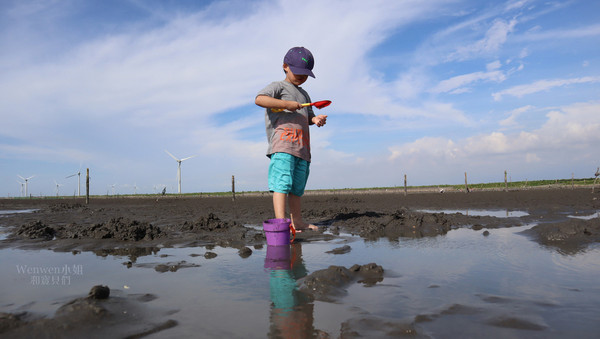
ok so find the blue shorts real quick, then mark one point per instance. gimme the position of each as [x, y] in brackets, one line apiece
[288, 174]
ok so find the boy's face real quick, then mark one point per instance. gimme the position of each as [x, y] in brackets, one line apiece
[295, 79]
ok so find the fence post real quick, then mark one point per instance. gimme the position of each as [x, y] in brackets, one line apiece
[233, 188]
[466, 185]
[87, 187]
[404, 184]
[505, 183]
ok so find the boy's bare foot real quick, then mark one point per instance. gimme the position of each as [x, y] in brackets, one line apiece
[304, 226]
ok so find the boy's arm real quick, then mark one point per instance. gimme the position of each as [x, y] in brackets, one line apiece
[269, 102]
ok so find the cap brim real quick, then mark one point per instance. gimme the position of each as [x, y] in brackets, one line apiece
[301, 71]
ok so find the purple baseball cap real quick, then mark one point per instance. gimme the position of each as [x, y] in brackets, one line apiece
[300, 61]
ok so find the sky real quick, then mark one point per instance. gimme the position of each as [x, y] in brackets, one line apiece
[430, 89]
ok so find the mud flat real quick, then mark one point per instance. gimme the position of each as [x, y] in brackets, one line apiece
[194, 221]
[564, 220]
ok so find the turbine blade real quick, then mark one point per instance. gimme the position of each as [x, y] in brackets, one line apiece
[172, 156]
[189, 157]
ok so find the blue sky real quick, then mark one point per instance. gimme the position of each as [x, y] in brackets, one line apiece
[430, 89]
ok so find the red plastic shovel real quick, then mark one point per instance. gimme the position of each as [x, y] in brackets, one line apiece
[317, 104]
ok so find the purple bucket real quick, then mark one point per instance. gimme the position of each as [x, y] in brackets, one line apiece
[277, 231]
[278, 257]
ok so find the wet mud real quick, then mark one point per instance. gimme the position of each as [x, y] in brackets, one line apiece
[68, 224]
[99, 315]
[135, 227]
[331, 283]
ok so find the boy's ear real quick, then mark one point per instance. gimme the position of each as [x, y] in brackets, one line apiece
[285, 67]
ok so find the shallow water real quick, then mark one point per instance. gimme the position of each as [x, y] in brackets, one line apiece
[586, 217]
[462, 284]
[6, 212]
[476, 212]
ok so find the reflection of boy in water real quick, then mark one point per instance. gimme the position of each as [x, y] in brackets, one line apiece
[292, 311]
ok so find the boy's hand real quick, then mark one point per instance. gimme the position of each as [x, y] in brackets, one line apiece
[292, 105]
[320, 120]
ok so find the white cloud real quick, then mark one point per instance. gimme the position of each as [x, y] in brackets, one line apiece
[514, 114]
[541, 85]
[466, 79]
[513, 4]
[494, 38]
[539, 35]
[567, 135]
[494, 65]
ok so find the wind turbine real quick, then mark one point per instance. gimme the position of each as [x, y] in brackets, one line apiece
[179, 168]
[78, 181]
[57, 186]
[22, 187]
[26, 183]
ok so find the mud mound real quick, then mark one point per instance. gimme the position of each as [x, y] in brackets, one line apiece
[208, 223]
[211, 229]
[36, 230]
[64, 207]
[116, 228]
[330, 283]
[568, 236]
[401, 223]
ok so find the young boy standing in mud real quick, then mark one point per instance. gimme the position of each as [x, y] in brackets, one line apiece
[287, 123]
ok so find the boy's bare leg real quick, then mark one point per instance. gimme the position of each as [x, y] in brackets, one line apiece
[279, 200]
[296, 215]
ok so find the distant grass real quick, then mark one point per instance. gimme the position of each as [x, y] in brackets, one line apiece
[582, 182]
[493, 185]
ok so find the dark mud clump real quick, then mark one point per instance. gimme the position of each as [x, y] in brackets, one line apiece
[374, 327]
[340, 250]
[245, 252]
[99, 292]
[171, 266]
[210, 255]
[208, 223]
[95, 316]
[401, 223]
[330, 283]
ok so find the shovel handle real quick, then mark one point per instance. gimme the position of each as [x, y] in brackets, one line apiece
[277, 110]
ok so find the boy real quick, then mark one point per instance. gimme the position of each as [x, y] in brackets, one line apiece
[288, 134]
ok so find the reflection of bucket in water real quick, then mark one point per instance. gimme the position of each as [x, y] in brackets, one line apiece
[277, 231]
[278, 257]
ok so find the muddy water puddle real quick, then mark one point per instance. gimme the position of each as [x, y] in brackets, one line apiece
[462, 284]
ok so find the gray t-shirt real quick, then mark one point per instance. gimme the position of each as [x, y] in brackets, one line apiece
[287, 131]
